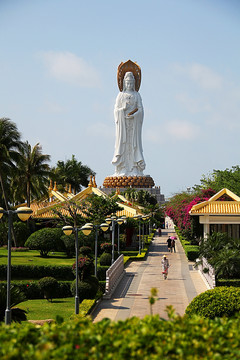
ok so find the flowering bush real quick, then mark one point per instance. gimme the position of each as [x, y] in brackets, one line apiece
[179, 206]
[107, 247]
[85, 267]
[20, 249]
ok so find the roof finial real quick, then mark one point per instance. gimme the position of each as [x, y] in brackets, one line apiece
[70, 188]
[50, 186]
[55, 186]
[90, 184]
[117, 191]
[94, 182]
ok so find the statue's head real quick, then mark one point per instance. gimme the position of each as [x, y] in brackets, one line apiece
[129, 81]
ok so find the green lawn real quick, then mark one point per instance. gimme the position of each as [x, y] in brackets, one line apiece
[42, 309]
[32, 257]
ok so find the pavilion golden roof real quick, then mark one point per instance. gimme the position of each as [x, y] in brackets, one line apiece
[214, 206]
[57, 200]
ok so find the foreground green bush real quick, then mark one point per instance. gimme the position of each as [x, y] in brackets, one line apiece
[146, 339]
[218, 302]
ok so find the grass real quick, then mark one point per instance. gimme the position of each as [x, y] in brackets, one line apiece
[32, 257]
[42, 309]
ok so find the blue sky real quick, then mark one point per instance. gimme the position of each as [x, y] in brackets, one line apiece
[58, 68]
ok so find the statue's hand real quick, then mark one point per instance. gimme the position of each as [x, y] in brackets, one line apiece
[129, 116]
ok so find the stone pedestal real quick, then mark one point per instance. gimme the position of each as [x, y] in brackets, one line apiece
[128, 181]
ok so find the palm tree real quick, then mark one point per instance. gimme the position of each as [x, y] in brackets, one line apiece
[17, 297]
[72, 172]
[32, 173]
[9, 153]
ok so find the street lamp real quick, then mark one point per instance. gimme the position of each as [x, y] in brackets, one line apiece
[139, 217]
[144, 218]
[120, 221]
[24, 214]
[113, 219]
[86, 229]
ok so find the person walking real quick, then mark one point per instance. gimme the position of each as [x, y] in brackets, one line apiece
[169, 242]
[165, 266]
[173, 245]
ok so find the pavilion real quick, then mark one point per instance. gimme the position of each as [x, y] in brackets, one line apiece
[220, 213]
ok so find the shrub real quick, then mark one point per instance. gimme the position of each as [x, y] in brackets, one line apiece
[85, 267]
[106, 247]
[85, 251]
[101, 272]
[49, 287]
[105, 259]
[228, 282]
[218, 302]
[69, 244]
[150, 338]
[86, 289]
[37, 272]
[44, 240]
[192, 252]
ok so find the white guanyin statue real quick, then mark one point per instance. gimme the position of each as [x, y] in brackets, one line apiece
[128, 113]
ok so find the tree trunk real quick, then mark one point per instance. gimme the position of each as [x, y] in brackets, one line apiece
[4, 193]
[6, 208]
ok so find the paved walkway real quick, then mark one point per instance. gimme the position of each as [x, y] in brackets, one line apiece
[131, 296]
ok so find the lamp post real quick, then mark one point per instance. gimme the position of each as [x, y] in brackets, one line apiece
[113, 219]
[144, 218]
[86, 229]
[23, 213]
[139, 217]
[120, 221]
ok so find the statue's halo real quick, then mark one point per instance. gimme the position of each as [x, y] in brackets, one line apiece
[125, 67]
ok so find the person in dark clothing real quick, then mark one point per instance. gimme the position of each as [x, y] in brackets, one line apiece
[169, 242]
[173, 245]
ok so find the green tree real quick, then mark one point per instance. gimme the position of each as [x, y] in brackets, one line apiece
[72, 172]
[32, 173]
[17, 297]
[9, 154]
[219, 179]
[97, 208]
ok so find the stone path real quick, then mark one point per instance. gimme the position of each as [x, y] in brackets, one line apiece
[131, 296]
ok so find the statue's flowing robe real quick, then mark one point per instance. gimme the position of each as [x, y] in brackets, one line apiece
[128, 156]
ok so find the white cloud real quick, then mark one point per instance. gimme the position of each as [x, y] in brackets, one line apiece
[69, 68]
[193, 105]
[181, 130]
[101, 131]
[205, 77]
[171, 130]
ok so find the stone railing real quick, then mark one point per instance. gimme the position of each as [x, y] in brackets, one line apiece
[207, 272]
[113, 276]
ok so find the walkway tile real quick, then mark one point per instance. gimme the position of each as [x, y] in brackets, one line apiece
[131, 296]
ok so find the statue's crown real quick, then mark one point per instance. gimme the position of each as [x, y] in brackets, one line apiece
[129, 76]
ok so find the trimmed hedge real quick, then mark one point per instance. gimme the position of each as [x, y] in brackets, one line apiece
[32, 290]
[101, 272]
[228, 282]
[217, 302]
[105, 259]
[87, 289]
[37, 272]
[146, 339]
[191, 251]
